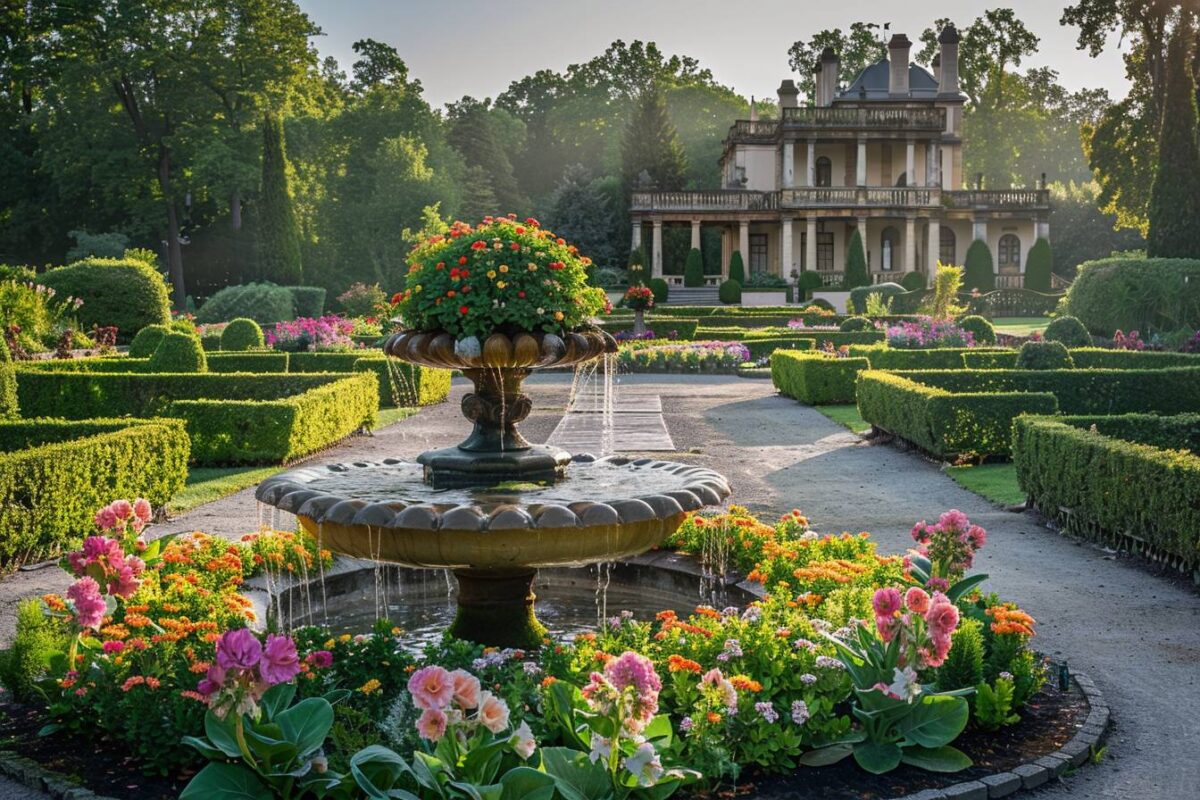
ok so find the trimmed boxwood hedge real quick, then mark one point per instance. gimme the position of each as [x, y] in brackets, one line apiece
[55, 474]
[231, 419]
[1128, 483]
[883, 357]
[124, 292]
[399, 383]
[764, 347]
[1087, 358]
[683, 328]
[815, 378]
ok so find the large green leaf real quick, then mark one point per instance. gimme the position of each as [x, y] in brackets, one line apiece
[276, 699]
[824, 756]
[527, 783]
[306, 724]
[376, 769]
[935, 720]
[878, 758]
[575, 775]
[220, 733]
[659, 730]
[936, 759]
[203, 746]
[964, 586]
[220, 781]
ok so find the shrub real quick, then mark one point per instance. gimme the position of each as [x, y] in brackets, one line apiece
[54, 474]
[211, 341]
[979, 271]
[693, 269]
[178, 352]
[737, 268]
[9, 408]
[946, 285]
[38, 639]
[660, 288]
[1038, 265]
[808, 282]
[1069, 331]
[913, 281]
[608, 277]
[241, 334]
[361, 300]
[761, 348]
[258, 362]
[264, 303]
[147, 339]
[963, 667]
[1044, 355]
[815, 378]
[857, 324]
[662, 327]
[1014, 303]
[821, 302]
[856, 263]
[723, 357]
[730, 292]
[858, 295]
[979, 328]
[125, 293]
[1143, 294]
[400, 384]
[308, 301]
[989, 359]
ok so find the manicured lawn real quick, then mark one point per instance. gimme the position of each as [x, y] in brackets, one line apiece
[996, 482]
[206, 484]
[846, 416]
[1020, 326]
[389, 415]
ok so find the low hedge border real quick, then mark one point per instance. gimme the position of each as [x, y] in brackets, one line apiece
[883, 357]
[232, 419]
[761, 348]
[55, 473]
[815, 378]
[1088, 358]
[1124, 483]
[836, 338]
[684, 329]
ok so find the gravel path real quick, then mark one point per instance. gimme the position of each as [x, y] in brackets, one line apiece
[1137, 634]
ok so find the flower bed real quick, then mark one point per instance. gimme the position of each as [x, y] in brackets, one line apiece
[666, 327]
[306, 334]
[649, 356]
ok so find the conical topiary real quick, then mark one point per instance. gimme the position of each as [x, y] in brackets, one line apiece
[856, 263]
[693, 270]
[978, 270]
[737, 270]
[1038, 265]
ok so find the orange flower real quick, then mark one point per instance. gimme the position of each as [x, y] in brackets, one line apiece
[677, 663]
[549, 681]
[708, 611]
[745, 683]
[714, 717]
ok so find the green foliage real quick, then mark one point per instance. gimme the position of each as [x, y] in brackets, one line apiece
[583, 210]
[9, 408]
[979, 270]
[1082, 230]
[1038, 265]
[660, 288]
[663, 326]
[1142, 294]
[99, 245]
[963, 667]
[1175, 195]
[361, 300]
[913, 281]
[231, 419]
[308, 301]
[737, 269]
[278, 231]
[994, 705]
[762, 347]
[265, 303]
[856, 324]
[37, 640]
[856, 263]
[860, 294]
[256, 362]
[146, 341]
[730, 292]
[884, 357]
[1068, 330]
[808, 281]
[178, 352]
[946, 285]
[241, 334]
[979, 328]
[651, 147]
[122, 292]
[54, 474]
[1044, 355]
[400, 384]
[815, 378]
[693, 270]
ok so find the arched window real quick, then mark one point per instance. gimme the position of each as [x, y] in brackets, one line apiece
[947, 246]
[902, 180]
[824, 171]
[889, 242]
[1009, 253]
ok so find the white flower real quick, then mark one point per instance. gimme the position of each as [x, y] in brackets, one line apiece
[645, 765]
[522, 741]
[904, 685]
[600, 749]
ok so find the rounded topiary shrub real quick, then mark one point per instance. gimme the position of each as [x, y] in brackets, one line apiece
[913, 281]
[122, 292]
[821, 302]
[737, 269]
[980, 329]
[242, 334]
[979, 271]
[1069, 331]
[857, 324]
[178, 352]
[660, 288]
[1147, 295]
[265, 303]
[693, 269]
[730, 292]
[858, 295]
[1038, 265]
[1044, 355]
[146, 341]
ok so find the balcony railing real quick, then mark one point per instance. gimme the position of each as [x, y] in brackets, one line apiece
[998, 198]
[801, 197]
[909, 119]
[719, 200]
[754, 129]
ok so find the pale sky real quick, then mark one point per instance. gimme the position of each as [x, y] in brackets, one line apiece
[478, 47]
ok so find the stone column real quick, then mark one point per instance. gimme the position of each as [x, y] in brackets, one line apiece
[979, 228]
[785, 249]
[1043, 229]
[789, 164]
[861, 164]
[812, 162]
[910, 164]
[695, 234]
[810, 245]
[637, 235]
[910, 244]
[935, 247]
[656, 265]
[744, 244]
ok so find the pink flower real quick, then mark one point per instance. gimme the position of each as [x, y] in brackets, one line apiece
[125, 582]
[212, 682]
[633, 669]
[113, 646]
[954, 519]
[493, 712]
[89, 604]
[886, 602]
[917, 600]
[431, 687]
[466, 689]
[238, 649]
[279, 662]
[142, 509]
[122, 509]
[522, 741]
[977, 536]
[937, 584]
[105, 518]
[942, 619]
[431, 726]
[321, 659]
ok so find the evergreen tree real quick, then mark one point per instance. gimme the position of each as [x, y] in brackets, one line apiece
[693, 270]
[856, 263]
[278, 232]
[979, 271]
[1038, 266]
[481, 134]
[581, 212]
[652, 146]
[478, 199]
[1175, 196]
[737, 269]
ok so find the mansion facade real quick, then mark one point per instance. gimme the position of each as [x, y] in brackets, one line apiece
[883, 156]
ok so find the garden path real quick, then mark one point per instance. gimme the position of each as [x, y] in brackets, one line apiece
[1137, 634]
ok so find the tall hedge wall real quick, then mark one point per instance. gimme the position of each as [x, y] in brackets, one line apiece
[55, 474]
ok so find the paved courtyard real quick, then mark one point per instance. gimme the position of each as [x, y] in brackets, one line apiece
[1137, 634]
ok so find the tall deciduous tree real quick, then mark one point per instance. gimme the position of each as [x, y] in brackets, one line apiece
[278, 233]
[1175, 197]
[651, 145]
[857, 49]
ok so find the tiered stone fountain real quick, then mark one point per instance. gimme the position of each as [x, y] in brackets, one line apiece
[495, 508]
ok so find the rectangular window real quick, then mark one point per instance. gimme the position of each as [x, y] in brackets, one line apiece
[825, 251]
[758, 252]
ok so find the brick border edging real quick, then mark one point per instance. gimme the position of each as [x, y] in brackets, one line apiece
[28, 772]
[1074, 753]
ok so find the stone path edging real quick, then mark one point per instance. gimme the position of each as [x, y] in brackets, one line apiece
[28, 772]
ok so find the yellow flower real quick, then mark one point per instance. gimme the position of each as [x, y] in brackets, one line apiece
[504, 267]
[345, 637]
[532, 266]
[416, 288]
[558, 315]
[491, 273]
[370, 686]
[500, 284]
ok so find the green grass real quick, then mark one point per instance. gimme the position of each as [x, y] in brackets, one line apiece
[206, 484]
[1020, 326]
[846, 416]
[388, 416]
[995, 482]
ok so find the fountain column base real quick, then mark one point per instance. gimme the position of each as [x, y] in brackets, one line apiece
[495, 607]
[455, 468]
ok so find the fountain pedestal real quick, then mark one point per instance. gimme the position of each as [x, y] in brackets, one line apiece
[496, 606]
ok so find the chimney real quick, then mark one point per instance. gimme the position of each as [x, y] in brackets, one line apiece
[948, 75]
[898, 50]
[788, 94]
[829, 76]
[753, 110]
[937, 67]
[818, 92]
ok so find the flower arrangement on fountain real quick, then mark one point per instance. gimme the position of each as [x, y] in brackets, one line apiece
[503, 275]
[638, 298]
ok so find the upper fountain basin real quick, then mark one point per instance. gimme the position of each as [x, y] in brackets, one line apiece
[604, 509]
[499, 351]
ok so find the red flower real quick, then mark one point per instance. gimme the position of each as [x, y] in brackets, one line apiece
[478, 245]
[556, 265]
[520, 229]
[463, 309]
[520, 294]
[441, 265]
[462, 259]
[531, 221]
[515, 245]
[396, 298]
